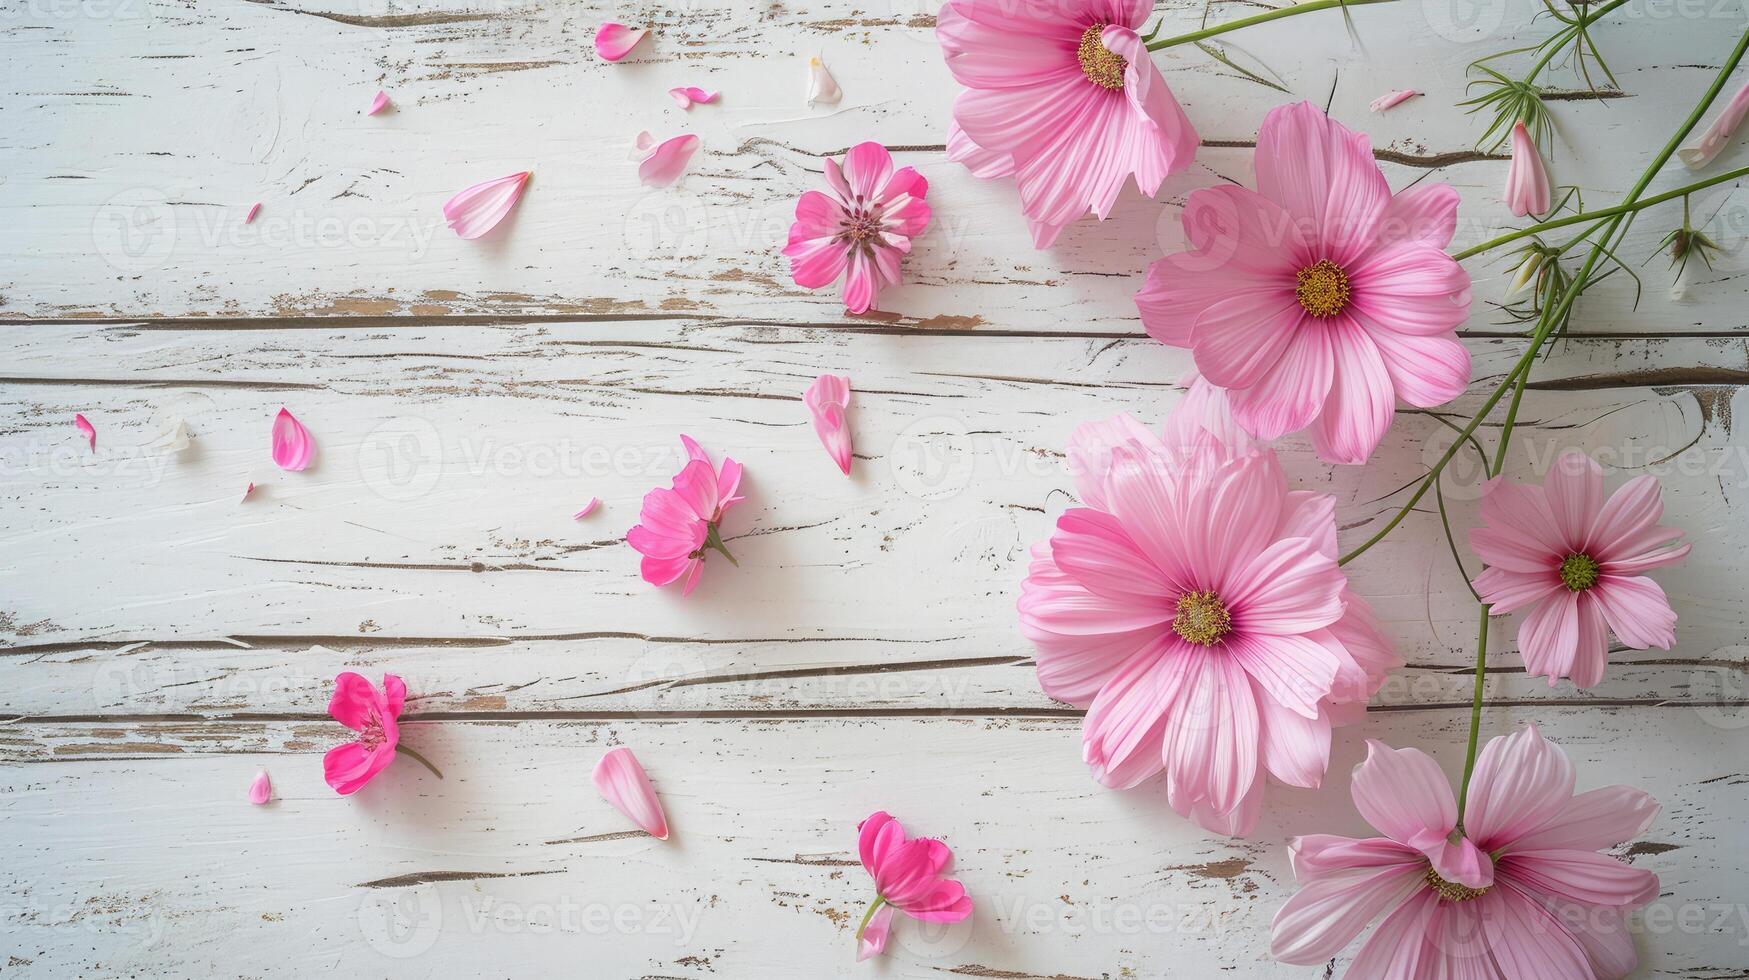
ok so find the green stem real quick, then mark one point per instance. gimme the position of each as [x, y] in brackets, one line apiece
[715, 540]
[419, 758]
[868, 916]
[1584, 216]
[1553, 49]
[1265, 17]
[1475, 712]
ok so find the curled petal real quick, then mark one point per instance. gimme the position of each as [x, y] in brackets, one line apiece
[664, 162]
[623, 783]
[254, 209]
[261, 788]
[86, 429]
[378, 104]
[686, 96]
[1390, 99]
[873, 940]
[1527, 179]
[615, 41]
[293, 449]
[1701, 152]
[588, 508]
[248, 490]
[822, 87]
[478, 209]
[828, 399]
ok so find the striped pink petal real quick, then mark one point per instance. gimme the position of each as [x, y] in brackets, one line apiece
[588, 508]
[664, 162]
[615, 41]
[828, 399]
[254, 210]
[261, 789]
[622, 781]
[1701, 152]
[477, 210]
[873, 940]
[1395, 98]
[86, 429]
[378, 104]
[292, 446]
[686, 96]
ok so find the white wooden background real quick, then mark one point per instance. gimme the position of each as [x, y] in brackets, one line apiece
[164, 641]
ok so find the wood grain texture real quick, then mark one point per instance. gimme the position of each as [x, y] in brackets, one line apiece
[162, 639]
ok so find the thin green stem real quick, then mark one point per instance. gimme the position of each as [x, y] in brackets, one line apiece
[1570, 30]
[868, 916]
[1475, 712]
[1584, 216]
[1263, 18]
[419, 759]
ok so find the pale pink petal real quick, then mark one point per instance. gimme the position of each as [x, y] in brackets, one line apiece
[1238, 339]
[260, 788]
[254, 209]
[1291, 393]
[860, 283]
[1361, 402]
[1324, 174]
[86, 429]
[686, 96]
[478, 209]
[1592, 821]
[1289, 588]
[1527, 179]
[873, 940]
[828, 399]
[615, 41]
[1410, 287]
[1424, 371]
[1328, 912]
[1425, 213]
[1508, 590]
[1393, 98]
[983, 164]
[1520, 782]
[1574, 489]
[1123, 730]
[866, 168]
[378, 104]
[1701, 152]
[667, 160]
[1580, 876]
[1526, 941]
[1212, 734]
[1318, 855]
[1091, 448]
[622, 782]
[1548, 639]
[1072, 667]
[1296, 749]
[293, 447]
[1637, 610]
[1293, 671]
[1627, 525]
[1591, 654]
[588, 508]
[822, 87]
[1093, 548]
[1403, 793]
[248, 490]
[1396, 950]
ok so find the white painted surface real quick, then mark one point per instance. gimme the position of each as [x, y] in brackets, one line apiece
[164, 640]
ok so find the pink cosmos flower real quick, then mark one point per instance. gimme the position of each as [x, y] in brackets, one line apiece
[1578, 563]
[828, 399]
[908, 875]
[1517, 890]
[1527, 179]
[1701, 152]
[293, 446]
[374, 716]
[677, 524]
[1195, 607]
[1320, 298]
[862, 229]
[478, 209]
[1063, 96]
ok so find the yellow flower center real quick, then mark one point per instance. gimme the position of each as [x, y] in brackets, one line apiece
[1322, 288]
[1202, 618]
[1579, 572]
[1451, 891]
[1098, 63]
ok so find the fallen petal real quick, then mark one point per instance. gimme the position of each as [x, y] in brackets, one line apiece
[687, 95]
[254, 210]
[175, 438]
[822, 87]
[622, 782]
[1390, 99]
[292, 446]
[378, 104]
[828, 399]
[874, 935]
[667, 161]
[615, 41]
[478, 209]
[247, 491]
[261, 790]
[84, 425]
[1701, 152]
[588, 508]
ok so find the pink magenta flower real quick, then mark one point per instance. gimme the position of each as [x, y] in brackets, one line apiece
[1320, 298]
[1195, 607]
[1517, 890]
[1064, 97]
[828, 399]
[374, 715]
[678, 523]
[1527, 179]
[1701, 152]
[862, 229]
[1578, 563]
[908, 873]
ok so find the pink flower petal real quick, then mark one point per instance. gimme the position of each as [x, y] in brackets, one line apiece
[664, 162]
[248, 490]
[292, 446]
[261, 789]
[254, 210]
[1701, 152]
[478, 209]
[822, 87]
[686, 96]
[874, 935]
[1527, 179]
[588, 508]
[86, 429]
[623, 783]
[828, 399]
[378, 104]
[1395, 98]
[615, 41]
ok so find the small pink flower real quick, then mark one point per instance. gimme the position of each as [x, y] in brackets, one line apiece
[615, 41]
[1701, 152]
[378, 104]
[1319, 299]
[687, 96]
[909, 876]
[678, 524]
[478, 209]
[662, 163]
[862, 229]
[1527, 179]
[621, 781]
[1517, 890]
[260, 788]
[1065, 98]
[86, 429]
[1578, 563]
[293, 447]
[373, 715]
[828, 399]
[1392, 99]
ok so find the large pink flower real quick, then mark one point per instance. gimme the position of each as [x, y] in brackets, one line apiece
[862, 229]
[1516, 892]
[909, 875]
[1195, 606]
[678, 523]
[1063, 96]
[1578, 563]
[1320, 298]
[374, 715]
